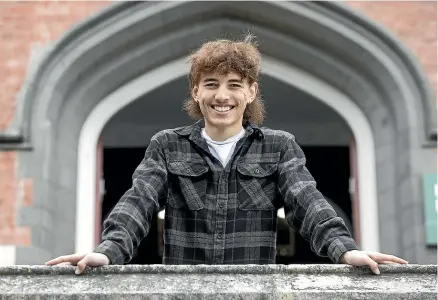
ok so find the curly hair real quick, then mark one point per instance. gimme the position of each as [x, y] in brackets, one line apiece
[225, 56]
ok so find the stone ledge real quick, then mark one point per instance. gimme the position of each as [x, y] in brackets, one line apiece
[219, 269]
[219, 282]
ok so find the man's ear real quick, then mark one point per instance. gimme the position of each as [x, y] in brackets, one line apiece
[253, 89]
[195, 93]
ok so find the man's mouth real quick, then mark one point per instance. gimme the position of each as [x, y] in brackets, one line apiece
[222, 108]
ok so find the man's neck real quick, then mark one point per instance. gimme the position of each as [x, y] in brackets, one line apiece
[222, 134]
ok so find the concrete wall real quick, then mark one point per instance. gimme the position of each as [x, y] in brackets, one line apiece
[267, 282]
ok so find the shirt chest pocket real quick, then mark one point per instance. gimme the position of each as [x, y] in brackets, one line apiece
[187, 184]
[257, 185]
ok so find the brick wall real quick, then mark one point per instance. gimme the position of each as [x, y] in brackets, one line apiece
[13, 192]
[24, 25]
[414, 23]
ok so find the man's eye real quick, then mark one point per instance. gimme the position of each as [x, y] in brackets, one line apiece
[235, 85]
[210, 84]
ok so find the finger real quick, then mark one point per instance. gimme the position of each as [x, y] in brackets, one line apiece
[81, 265]
[373, 265]
[55, 261]
[73, 259]
[59, 260]
[399, 260]
[66, 263]
[380, 257]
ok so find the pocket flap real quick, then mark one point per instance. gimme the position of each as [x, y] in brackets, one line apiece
[256, 169]
[184, 168]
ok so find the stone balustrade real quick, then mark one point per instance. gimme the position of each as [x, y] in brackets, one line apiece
[219, 282]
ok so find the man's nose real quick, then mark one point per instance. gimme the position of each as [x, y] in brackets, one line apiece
[222, 94]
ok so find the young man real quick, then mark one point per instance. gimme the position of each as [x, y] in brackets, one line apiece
[223, 179]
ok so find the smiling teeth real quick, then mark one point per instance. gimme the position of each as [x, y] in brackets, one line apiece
[222, 108]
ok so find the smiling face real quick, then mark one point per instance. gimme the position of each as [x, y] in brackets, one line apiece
[223, 99]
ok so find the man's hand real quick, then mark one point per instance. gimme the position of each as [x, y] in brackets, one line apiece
[371, 259]
[81, 261]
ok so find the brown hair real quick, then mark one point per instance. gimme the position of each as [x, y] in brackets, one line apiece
[225, 56]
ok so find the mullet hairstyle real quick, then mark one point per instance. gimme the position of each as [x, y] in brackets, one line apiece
[226, 56]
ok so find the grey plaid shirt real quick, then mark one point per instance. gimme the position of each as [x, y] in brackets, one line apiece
[217, 215]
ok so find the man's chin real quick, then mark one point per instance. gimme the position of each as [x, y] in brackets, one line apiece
[220, 123]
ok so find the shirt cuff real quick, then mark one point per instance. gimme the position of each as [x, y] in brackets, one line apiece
[339, 246]
[112, 251]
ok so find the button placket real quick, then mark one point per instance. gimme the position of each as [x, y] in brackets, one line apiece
[220, 218]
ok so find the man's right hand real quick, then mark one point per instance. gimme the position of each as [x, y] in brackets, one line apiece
[81, 261]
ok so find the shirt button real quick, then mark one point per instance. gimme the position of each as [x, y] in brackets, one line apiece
[219, 236]
[257, 171]
[221, 205]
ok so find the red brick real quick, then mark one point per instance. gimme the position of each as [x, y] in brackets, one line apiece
[27, 190]
[8, 189]
[9, 233]
[414, 23]
[20, 236]
[24, 24]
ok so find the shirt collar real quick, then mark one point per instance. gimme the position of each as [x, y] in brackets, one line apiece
[194, 130]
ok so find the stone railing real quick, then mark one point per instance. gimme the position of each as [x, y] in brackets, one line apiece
[219, 282]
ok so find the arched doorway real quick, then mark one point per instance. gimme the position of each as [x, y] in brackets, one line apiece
[328, 50]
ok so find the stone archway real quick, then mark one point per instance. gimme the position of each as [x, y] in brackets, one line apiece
[342, 49]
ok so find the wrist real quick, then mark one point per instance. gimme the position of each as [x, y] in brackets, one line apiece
[105, 258]
[343, 258]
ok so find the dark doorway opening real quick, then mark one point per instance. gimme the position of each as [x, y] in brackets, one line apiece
[330, 166]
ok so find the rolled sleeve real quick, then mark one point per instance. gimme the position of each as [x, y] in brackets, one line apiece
[112, 251]
[338, 247]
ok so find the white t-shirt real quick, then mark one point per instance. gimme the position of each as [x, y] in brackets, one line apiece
[223, 150]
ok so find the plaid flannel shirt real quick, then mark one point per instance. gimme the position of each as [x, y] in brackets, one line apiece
[217, 215]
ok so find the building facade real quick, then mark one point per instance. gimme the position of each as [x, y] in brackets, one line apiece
[84, 84]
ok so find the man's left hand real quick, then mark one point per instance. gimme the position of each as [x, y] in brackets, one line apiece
[371, 259]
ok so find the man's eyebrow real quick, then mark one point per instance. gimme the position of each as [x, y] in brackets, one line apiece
[235, 80]
[210, 79]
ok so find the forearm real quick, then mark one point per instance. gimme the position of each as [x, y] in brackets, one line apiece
[125, 228]
[329, 237]
[129, 222]
[306, 209]
[317, 222]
